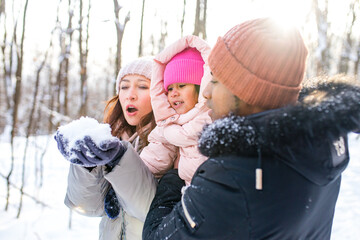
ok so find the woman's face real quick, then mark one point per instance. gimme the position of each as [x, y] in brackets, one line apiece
[134, 97]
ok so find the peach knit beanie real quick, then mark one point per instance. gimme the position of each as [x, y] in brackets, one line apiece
[141, 66]
[260, 62]
[184, 67]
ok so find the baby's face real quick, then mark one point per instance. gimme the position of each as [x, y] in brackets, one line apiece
[182, 97]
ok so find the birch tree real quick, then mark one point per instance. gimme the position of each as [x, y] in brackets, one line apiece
[348, 42]
[16, 94]
[320, 8]
[30, 127]
[83, 53]
[141, 29]
[200, 19]
[163, 34]
[183, 19]
[120, 28]
[6, 70]
[62, 79]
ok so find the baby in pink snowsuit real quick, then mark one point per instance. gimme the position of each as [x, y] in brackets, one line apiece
[179, 108]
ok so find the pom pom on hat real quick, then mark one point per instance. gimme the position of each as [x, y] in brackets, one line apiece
[141, 66]
[185, 67]
[261, 62]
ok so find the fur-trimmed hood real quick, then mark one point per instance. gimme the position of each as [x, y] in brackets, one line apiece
[326, 111]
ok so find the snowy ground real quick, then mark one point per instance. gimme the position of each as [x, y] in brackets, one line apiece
[347, 214]
[51, 222]
[38, 222]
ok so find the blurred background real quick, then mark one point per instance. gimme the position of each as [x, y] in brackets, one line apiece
[59, 58]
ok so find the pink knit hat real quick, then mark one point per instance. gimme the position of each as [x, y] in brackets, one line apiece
[184, 67]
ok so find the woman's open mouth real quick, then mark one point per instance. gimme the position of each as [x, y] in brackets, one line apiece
[131, 110]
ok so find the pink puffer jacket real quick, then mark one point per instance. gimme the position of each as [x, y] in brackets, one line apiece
[176, 133]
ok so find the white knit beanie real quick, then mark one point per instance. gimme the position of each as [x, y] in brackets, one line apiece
[141, 66]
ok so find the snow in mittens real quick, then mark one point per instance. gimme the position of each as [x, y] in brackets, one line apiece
[85, 126]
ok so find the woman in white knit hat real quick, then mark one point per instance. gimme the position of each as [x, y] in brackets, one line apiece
[112, 181]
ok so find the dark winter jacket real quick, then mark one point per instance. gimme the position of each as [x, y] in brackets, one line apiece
[302, 151]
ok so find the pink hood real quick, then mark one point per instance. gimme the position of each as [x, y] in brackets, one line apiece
[176, 136]
[164, 113]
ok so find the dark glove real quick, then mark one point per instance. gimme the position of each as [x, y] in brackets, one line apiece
[108, 152]
[62, 144]
[88, 154]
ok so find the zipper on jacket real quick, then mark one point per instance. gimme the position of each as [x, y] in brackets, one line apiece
[187, 215]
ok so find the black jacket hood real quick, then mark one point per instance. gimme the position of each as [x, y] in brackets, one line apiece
[326, 112]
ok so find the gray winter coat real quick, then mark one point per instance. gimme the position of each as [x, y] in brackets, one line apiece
[133, 184]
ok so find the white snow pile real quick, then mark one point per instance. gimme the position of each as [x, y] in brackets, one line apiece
[76, 130]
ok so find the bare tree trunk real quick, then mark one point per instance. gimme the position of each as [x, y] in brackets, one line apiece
[109, 73]
[120, 28]
[55, 98]
[3, 50]
[152, 40]
[62, 78]
[51, 89]
[83, 60]
[324, 41]
[38, 160]
[183, 19]
[39, 172]
[2, 7]
[200, 18]
[197, 19]
[58, 85]
[17, 95]
[141, 30]
[347, 43]
[69, 32]
[13, 109]
[163, 35]
[30, 124]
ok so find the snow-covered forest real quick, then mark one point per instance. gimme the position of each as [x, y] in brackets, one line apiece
[59, 60]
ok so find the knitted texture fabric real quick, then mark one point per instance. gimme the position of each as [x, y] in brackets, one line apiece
[261, 62]
[184, 67]
[141, 66]
[111, 204]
